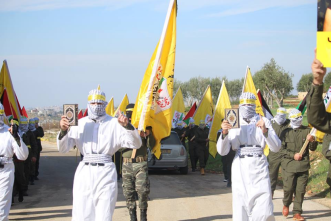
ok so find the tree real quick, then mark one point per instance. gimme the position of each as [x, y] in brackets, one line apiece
[327, 81]
[274, 80]
[194, 89]
[304, 83]
[234, 89]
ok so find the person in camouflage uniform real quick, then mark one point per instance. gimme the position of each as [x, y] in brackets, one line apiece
[279, 123]
[38, 133]
[190, 130]
[202, 145]
[135, 172]
[295, 167]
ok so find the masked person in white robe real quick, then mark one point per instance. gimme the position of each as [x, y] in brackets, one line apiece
[97, 137]
[10, 144]
[251, 192]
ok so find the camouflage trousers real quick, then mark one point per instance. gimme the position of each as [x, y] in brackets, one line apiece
[135, 179]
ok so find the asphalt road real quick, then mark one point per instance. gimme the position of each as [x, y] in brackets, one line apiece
[173, 196]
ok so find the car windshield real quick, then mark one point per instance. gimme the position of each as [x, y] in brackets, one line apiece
[172, 139]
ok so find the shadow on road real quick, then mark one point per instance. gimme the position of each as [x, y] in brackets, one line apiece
[42, 214]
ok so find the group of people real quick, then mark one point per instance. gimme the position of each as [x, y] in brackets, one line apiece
[254, 176]
[99, 136]
[27, 171]
[198, 142]
[20, 148]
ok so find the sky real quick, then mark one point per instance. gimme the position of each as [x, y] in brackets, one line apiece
[57, 50]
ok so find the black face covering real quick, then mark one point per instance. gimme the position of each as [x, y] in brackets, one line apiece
[128, 115]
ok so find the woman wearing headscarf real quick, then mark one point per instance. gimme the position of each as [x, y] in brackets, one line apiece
[251, 192]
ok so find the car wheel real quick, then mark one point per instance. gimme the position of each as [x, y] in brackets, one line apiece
[183, 170]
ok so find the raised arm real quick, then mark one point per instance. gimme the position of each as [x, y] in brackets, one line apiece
[223, 143]
[65, 138]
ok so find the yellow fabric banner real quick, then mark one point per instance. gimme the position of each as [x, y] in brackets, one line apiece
[123, 104]
[250, 87]
[110, 107]
[178, 103]
[323, 47]
[6, 84]
[153, 103]
[223, 102]
[205, 110]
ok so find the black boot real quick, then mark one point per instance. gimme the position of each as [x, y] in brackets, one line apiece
[20, 196]
[133, 214]
[143, 215]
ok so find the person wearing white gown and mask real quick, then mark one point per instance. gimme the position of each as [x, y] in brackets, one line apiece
[251, 192]
[97, 137]
[10, 144]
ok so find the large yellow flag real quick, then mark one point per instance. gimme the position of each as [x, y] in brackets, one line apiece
[250, 87]
[153, 103]
[205, 110]
[223, 102]
[110, 110]
[7, 93]
[123, 104]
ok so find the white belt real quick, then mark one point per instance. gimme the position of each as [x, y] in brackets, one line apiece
[97, 158]
[245, 151]
[4, 160]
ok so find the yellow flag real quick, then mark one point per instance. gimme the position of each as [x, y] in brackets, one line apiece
[223, 102]
[122, 106]
[10, 103]
[153, 103]
[250, 87]
[178, 103]
[110, 107]
[323, 52]
[205, 110]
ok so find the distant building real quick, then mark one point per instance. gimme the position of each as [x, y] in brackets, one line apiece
[34, 111]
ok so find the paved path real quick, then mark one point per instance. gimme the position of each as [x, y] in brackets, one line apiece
[173, 196]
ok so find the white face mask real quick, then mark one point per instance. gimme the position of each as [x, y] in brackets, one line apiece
[280, 118]
[1, 121]
[247, 112]
[296, 122]
[96, 111]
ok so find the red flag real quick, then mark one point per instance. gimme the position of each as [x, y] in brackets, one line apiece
[24, 113]
[80, 114]
[190, 113]
[85, 113]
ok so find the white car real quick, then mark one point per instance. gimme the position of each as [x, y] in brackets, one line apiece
[174, 155]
